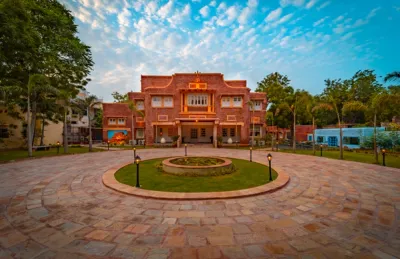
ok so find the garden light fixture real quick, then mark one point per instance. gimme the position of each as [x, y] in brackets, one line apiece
[137, 162]
[383, 157]
[269, 156]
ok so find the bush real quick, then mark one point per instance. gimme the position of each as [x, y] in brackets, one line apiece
[175, 138]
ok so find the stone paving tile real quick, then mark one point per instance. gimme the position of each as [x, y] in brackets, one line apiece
[329, 209]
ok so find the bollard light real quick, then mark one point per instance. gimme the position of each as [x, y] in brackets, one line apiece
[134, 152]
[137, 162]
[321, 149]
[58, 147]
[185, 149]
[251, 154]
[269, 156]
[108, 145]
[383, 157]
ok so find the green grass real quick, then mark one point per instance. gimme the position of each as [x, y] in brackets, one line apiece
[391, 160]
[248, 174]
[9, 155]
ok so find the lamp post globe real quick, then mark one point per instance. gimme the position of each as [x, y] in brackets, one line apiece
[251, 154]
[269, 156]
[320, 146]
[58, 147]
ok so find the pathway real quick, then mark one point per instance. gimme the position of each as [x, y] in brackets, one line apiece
[57, 207]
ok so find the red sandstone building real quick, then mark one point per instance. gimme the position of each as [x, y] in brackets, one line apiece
[198, 107]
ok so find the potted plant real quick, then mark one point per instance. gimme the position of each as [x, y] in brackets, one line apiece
[219, 141]
[175, 140]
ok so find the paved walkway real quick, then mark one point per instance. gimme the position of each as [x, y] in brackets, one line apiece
[58, 208]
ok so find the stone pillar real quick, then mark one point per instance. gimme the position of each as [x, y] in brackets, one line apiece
[215, 135]
[178, 144]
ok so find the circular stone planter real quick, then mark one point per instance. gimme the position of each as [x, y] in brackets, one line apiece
[221, 168]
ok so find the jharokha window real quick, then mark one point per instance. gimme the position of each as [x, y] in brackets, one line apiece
[162, 101]
[232, 102]
[197, 99]
[112, 121]
[121, 121]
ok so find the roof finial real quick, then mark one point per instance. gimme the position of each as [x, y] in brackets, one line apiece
[197, 73]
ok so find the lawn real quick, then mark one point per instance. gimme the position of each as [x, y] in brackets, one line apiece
[248, 174]
[391, 160]
[9, 155]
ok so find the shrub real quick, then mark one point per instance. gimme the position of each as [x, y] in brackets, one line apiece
[175, 138]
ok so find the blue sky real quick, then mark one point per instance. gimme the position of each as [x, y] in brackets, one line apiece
[308, 40]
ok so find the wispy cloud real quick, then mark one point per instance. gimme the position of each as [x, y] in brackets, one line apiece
[320, 21]
[322, 6]
[273, 15]
[311, 3]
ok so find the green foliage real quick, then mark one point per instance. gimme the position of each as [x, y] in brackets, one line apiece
[175, 138]
[197, 161]
[383, 139]
[119, 98]
[98, 118]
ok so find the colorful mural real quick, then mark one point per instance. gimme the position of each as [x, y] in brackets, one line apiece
[117, 136]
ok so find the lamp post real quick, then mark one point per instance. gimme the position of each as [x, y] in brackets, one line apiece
[137, 162]
[134, 152]
[251, 154]
[320, 146]
[383, 157]
[269, 156]
[58, 147]
[108, 145]
[185, 149]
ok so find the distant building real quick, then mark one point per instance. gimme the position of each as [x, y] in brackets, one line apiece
[279, 133]
[78, 126]
[352, 137]
[11, 131]
[198, 107]
[302, 132]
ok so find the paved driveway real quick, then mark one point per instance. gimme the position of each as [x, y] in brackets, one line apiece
[58, 208]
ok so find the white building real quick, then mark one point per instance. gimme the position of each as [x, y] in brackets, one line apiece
[352, 137]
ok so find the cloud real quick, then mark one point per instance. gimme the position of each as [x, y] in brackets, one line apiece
[247, 11]
[338, 19]
[123, 17]
[285, 3]
[273, 15]
[150, 8]
[320, 21]
[204, 11]
[347, 36]
[311, 4]
[213, 3]
[228, 16]
[323, 5]
[252, 3]
[180, 16]
[165, 10]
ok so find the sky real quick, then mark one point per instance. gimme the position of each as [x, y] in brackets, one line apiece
[307, 40]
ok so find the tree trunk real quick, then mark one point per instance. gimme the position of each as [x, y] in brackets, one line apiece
[375, 146]
[33, 122]
[273, 136]
[65, 133]
[252, 135]
[42, 135]
[341, 139]
[294, 132]
[90, 131]
[133, 131]
[29, 127]
[313, 135]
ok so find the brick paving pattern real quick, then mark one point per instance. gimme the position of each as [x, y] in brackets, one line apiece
[58, 208]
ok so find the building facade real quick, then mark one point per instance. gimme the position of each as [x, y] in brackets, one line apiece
[197, 107]
[352, 137]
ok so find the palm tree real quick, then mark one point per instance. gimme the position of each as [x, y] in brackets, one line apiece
[251, 104]
[270, 115]
[394, 76]
[65, 104]
[87, 104]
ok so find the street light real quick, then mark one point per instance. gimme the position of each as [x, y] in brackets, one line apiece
[108, 145]
[270, 170]
[251, 154]
[137, 162]
[185, 149]
[383, 157]
[134, 152]
[58, 147]
[321, 149]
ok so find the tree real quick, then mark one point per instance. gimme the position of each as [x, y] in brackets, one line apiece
[252, 108]
[119, 98]
[42, 42]
[269, 116]
[87, 105]
[394, 76]
[295, 103]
